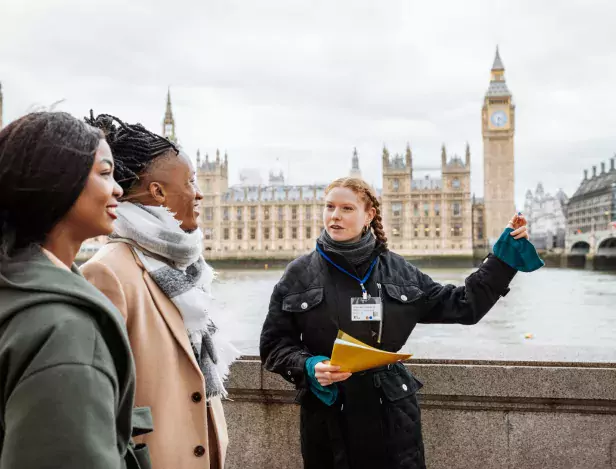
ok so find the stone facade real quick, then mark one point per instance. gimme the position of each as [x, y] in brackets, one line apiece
[591, 212]
[421, 216]
[546, 216]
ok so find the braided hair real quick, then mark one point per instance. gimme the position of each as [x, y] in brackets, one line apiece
[134, 148]
[45, 161]
[365, 193]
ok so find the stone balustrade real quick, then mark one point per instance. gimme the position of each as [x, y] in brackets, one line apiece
[476, 414]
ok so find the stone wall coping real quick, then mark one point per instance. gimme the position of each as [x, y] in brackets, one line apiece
[470, 379]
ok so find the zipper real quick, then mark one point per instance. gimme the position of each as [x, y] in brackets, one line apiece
[378, 285]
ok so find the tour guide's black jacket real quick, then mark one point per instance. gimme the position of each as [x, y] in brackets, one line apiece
[375, 422]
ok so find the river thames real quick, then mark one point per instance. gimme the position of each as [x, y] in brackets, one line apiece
[549, 315]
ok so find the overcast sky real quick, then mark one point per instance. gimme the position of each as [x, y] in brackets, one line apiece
[296, 85]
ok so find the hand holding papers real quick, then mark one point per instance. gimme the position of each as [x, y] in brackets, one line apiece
[352, 355]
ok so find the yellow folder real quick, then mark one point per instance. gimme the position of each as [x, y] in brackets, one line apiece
[352, 355]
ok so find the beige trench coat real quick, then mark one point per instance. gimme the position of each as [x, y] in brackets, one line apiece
[169, 380]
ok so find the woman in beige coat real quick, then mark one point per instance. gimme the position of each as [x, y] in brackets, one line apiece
[153, 271]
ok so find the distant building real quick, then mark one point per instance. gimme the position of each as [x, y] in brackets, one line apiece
[591, 211]
[546, 217]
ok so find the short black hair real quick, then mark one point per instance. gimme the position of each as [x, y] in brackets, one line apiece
[45, 161]
[134, 147]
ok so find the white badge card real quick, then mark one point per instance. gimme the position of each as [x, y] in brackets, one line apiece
[368, 309]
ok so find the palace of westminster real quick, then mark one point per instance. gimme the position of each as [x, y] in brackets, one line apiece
[421, 217]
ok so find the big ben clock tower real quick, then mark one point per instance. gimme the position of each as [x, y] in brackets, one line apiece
[498, 126]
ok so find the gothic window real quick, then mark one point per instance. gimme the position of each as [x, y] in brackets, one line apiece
[437, 231]
[280, 233]
[209, 213]
[395, 231]
[427, 231]
[395, 185]
[225, 233]
[294, 233]
[239, 233]
[253, 213]
[416, 231]
[207, 233]
[437, 209]
[266, 213]
[457, 229]
[455, 183]
[225, 213]
[456, 209]
[426, 209]
[293, 213]
[308, 232]
[308, 212]
[280, 213]
[266, 233]
[239, 213]
[396, 209]
[253, 233]
[415, 210]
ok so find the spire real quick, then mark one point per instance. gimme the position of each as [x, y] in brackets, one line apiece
[498, 86]
[198, 158]
[498, 63]
[443, 155]
[355, 171]
[468, 155]
[169, 121]
[217, 156]
[409, 155]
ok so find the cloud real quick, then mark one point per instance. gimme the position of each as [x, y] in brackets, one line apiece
[297, 85]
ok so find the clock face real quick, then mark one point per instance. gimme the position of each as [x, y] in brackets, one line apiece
[498, 118]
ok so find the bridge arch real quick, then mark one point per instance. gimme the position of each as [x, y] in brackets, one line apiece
[607, 247]
[580, 247]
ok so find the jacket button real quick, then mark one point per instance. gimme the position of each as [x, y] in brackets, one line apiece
[403, 298]
[196, 397]
[304, 305]
[289, 372]
[405, 387]
[199, 451]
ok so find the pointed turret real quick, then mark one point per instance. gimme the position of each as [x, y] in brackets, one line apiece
[408, 156]
[498, 86]
[468, 155]
[169, 121]
[498, 63]
[443, 155]
[198, 158]
[355, 171]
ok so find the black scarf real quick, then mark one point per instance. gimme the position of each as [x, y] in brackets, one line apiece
[356, 253]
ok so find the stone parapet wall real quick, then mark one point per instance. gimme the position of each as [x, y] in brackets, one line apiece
[475, 414]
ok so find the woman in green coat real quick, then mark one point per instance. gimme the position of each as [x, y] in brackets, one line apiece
[67, 377]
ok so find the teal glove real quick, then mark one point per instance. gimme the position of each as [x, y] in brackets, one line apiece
[327, 395]
[517, 253]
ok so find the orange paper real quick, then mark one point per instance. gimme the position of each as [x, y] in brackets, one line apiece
[353, 355]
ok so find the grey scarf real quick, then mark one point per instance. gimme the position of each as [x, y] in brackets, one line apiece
[356, 252]
[173, 260]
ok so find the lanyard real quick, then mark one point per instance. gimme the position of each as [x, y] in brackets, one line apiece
[361, 281]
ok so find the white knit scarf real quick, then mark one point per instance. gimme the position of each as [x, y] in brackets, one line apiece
[173, 259]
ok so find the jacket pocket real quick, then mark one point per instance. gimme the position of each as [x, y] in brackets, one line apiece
[138, 457]
[398, 384]
[304, 301]
[405, 294]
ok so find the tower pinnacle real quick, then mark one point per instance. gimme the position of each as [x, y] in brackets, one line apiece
[169, 121]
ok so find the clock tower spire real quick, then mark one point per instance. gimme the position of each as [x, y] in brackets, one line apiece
[498, 128]
[169, 121]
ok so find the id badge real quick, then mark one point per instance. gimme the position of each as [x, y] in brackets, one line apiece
[368, 309]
